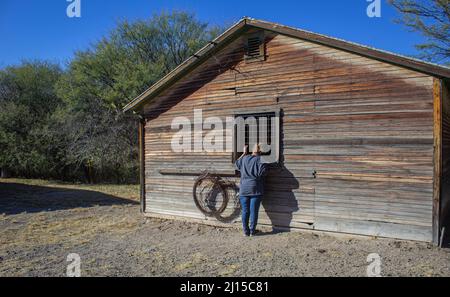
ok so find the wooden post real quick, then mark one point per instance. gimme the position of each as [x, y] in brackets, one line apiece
[437, 131]
[141, 135]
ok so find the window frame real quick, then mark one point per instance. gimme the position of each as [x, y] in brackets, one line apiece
[276, 146]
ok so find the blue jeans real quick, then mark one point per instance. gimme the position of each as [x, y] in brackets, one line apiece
[250, 208]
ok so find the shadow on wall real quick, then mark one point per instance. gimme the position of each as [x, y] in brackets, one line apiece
[280, 202]
[446, 237]
[17, 198]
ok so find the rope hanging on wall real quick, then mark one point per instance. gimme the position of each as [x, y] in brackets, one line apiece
[216, 197]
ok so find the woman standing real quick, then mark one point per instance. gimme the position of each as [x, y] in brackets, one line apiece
[251, 188]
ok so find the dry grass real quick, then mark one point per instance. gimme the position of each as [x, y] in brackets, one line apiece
[44, 221]
[67, 224]
[80, 228]
[124, 191]
[79, 225]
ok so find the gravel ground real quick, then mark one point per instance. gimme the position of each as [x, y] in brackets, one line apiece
[42, 222]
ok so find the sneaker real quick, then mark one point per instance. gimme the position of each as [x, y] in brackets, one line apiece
[246, 234]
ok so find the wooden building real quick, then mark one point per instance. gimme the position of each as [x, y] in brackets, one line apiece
[364, 139]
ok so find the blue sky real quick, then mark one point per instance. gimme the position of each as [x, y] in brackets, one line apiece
[40, 29]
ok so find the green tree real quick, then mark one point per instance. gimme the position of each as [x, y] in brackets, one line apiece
[432, 19]
[102, 140]
[27, 100]
[69, 124]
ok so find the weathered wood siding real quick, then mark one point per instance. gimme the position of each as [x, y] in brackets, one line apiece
[365, 127]
[445, 180]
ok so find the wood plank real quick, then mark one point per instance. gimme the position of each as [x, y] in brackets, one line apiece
[141, 144]
[437, 159]
[381, 229]
[365, 127]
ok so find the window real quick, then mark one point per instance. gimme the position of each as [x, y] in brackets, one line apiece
[255, 47]
[262, 128]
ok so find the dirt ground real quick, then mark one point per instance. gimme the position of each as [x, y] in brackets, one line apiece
[42, 222]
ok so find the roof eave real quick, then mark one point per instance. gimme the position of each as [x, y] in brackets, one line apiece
[188, 64]
[385, 56]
